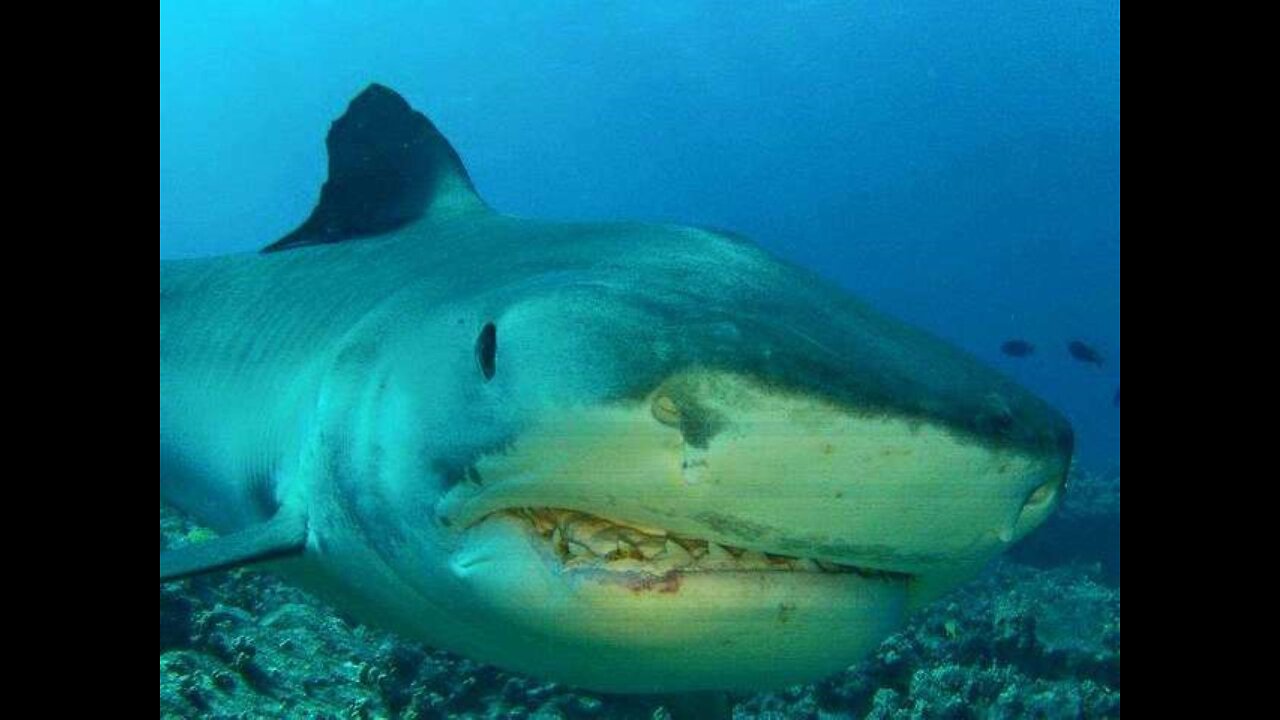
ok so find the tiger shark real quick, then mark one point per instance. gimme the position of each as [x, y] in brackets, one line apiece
[631, 458]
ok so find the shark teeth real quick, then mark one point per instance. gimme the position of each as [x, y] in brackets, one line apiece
[580, 540]
[675, 553]
[651, 549]
[808, 566]
[603, 544]
[542, 523]
[719, 554]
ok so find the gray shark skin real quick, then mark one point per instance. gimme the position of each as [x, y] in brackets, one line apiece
[626, 457]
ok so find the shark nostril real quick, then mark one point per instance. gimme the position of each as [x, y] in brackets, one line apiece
[697, 423]
[667, 412]
[1035, 510]
[1043, 495]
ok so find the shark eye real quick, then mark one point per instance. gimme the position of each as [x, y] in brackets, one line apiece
[487, 351]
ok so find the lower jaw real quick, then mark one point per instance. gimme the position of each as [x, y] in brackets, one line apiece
[642, 632]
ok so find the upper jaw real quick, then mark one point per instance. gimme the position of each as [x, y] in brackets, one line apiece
[583, 535]
[783, 475]
[647, 519]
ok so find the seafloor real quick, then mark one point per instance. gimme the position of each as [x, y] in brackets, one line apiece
[1037, 637]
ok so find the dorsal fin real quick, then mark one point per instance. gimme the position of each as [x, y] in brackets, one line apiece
[283, 536]
[388, 166]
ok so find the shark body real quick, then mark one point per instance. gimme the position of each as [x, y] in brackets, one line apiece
[631, 458]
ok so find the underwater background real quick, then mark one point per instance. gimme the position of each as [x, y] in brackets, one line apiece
[956, 164]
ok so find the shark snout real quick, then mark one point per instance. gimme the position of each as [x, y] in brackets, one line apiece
[799, 474]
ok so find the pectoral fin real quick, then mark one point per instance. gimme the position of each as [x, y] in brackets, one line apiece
[283, 536]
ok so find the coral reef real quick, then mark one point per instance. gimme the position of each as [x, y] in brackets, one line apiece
[1018, 643]
[1021, 642]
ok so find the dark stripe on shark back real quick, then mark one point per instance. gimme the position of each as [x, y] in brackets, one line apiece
[388, 167]
[854, 357]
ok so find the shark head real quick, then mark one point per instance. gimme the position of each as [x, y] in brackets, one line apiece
[631, 458]
[674, 462]
[652, 458]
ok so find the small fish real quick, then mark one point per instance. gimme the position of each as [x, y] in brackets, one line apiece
[1117, 400]
[1085, 354]
[1018, 349]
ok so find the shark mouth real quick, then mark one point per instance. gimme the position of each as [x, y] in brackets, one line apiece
[586, 542]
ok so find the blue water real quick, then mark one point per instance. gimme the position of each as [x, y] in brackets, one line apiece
[958, 164]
